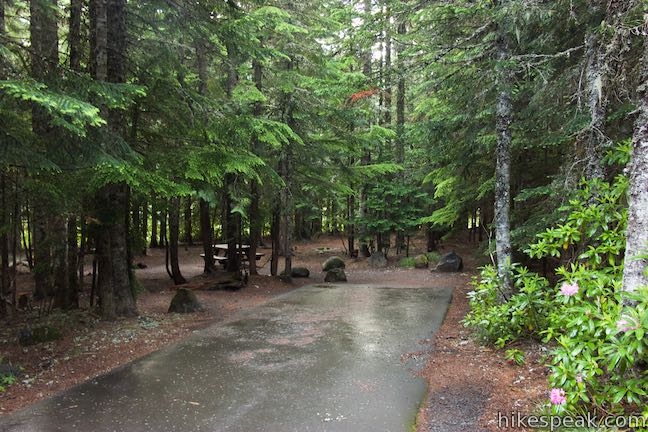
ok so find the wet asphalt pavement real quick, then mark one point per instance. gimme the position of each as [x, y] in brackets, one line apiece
[320, 358]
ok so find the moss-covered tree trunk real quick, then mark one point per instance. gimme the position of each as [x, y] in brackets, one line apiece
[504, 114]
[596, 97]
[634, 275]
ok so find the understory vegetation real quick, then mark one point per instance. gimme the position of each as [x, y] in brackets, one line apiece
[596, 332]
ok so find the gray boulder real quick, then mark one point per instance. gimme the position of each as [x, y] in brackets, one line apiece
[300, 272]
[335, 275]
[377, 260]
[421, 261]
[334, 262]
[185, 301]
[450, 263]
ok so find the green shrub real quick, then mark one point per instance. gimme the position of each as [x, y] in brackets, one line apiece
[406, 262]
[515, 355]
[433, 257]
[600, 352]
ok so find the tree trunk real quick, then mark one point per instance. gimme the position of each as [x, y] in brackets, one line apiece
[232, 221]
[174, 234]
[206, 236]
[4, 219]
[504, 110]
[4, 247]
[596, 99]
[144, 227]
[637, 234]
[154, 225]
[64, 298]
[274, 234]
[287, 210]
[114, 274]
[71, 299]
[163, 223]
[44, 57]
[254, 212]
[27, 234]
[206, 230]
[188, 228]
[400, 118]
[387, 86]
[231, 226]
[74, 34]
[366, 155]
[349, 226]
[82, 252]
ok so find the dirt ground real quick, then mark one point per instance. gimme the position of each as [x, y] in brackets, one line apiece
[469, 384]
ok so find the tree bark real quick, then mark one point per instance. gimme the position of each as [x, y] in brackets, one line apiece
[349, 227]
[174, 234]
[154, 224]
[164, 209]
[206, 228]
[286, 197]
[4, 247]
[400, 118]
[254, 212]
[144, 227]
[206, 236]
[366, 155]
[188, 225]
[74, 34]
[114, 274]
[504, 112]
[596, 97]
[44, 58]
[387, 86]
[637, 234]
[232, 221]
[275, 237]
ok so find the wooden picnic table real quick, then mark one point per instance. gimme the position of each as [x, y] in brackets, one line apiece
[223, 247]
[244, 252]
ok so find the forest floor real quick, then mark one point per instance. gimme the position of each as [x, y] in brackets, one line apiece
[468, 384]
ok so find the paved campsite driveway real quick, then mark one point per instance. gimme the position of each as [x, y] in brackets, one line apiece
[320, 358]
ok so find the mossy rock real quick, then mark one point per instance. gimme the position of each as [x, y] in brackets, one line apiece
[300, 272]
[450, 263]
[185, 301]
[335, 275]
[36, 335]
[421, 261]
[334, 262]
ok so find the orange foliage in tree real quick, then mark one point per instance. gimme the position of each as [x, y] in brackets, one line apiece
[355, 97]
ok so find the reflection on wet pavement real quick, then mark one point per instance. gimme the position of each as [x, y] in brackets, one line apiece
[321, 358]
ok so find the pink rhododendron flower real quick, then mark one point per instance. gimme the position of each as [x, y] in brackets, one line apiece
[557, 396]
[569, 289]
[626, 324]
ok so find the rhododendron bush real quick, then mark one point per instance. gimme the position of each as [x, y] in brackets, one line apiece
[599, 352]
